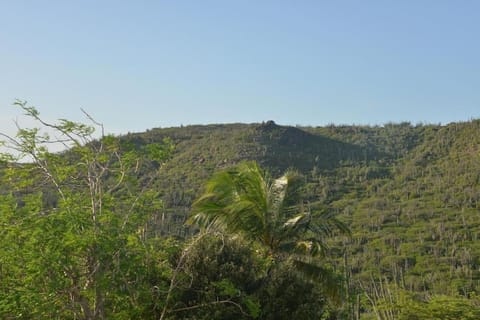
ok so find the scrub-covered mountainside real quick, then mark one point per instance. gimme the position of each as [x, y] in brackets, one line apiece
[409, 193]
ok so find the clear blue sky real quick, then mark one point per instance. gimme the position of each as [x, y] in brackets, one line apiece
[142, 64]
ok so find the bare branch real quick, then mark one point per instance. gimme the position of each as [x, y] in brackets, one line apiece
[227, 301]
[94, 121]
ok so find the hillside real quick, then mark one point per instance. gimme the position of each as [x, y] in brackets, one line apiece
[409, 193]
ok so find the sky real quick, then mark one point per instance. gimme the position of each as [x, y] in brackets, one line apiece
[137, 65]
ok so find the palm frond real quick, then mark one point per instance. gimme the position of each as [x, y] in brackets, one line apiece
[330, 281]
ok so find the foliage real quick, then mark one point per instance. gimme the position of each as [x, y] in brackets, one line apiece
[287, 295]
[440, 307]
[245, 200]
[224, 277]
[391, 302]
[74, 227]
[218, 281]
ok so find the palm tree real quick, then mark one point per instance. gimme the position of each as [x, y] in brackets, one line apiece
[245, 200]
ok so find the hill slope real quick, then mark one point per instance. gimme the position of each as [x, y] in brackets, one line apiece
[409, 193]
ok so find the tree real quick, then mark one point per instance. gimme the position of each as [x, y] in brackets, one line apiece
[74, 225]
[270, 212]
[217, 280]
[221, 278]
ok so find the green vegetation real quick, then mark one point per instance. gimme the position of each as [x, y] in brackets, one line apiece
[98, 231]
[270, 212]
[75, 242]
